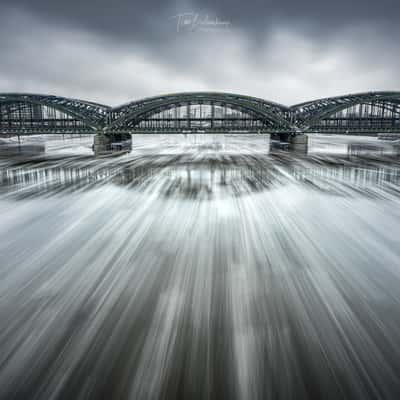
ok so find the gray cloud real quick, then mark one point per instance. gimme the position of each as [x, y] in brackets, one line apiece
[115, 52]
[147, 19]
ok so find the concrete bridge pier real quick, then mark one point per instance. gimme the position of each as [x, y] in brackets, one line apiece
[112, 143]
[290, 141]
[298, 143]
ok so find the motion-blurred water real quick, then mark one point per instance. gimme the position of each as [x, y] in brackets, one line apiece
[200, 269]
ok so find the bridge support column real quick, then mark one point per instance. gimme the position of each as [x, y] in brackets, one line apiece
[113, 143]
[283, 137]
[299, 143]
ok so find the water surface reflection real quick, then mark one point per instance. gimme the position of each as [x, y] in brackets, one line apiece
[200, 275]
[202, 177]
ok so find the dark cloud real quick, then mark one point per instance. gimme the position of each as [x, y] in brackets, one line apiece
[149, 19]
[111, 52]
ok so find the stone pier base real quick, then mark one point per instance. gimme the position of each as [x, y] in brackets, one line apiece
[299, 143]
[116, 143]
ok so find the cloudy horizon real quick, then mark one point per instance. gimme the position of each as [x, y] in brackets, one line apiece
[113, 53]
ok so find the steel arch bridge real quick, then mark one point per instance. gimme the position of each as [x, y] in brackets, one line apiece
[200, 110]
[22, 113]
[370, 112]
[361, 113]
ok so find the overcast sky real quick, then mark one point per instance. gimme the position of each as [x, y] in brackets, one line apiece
[287, 51]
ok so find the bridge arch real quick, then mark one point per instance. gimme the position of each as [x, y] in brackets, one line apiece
[138, 110]
[370, 112]
[92, 115]
[306, 115]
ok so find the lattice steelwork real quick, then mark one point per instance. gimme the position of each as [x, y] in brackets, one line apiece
[33, 118]
[371, 112]
[31, 114]
[364, 112]
[200, 117]
[272, 115]
[366, 117]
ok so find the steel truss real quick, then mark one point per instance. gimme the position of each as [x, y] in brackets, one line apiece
[370, 112]
[361, 112]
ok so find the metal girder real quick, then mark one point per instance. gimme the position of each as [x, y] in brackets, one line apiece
[92, 114]
[295, 119]
[145, 113]
[307, 114]
[139, 109]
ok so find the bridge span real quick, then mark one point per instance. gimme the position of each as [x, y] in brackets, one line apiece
[367, 113]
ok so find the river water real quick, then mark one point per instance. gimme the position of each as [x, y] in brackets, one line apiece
[201, 268]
